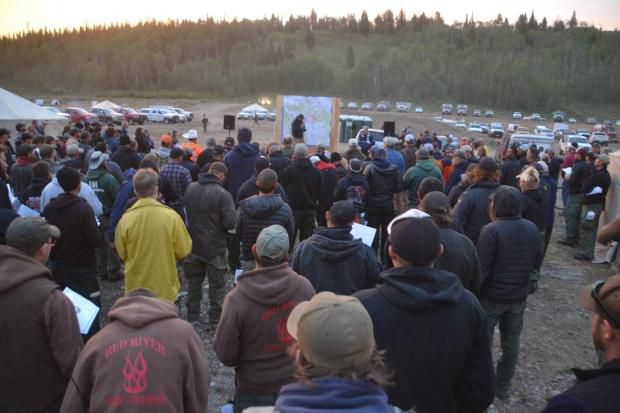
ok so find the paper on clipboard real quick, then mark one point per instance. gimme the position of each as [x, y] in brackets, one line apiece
[363, 232]
[85, 310]
[24, 211]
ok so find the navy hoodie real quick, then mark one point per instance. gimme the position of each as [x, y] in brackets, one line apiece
[240, 163]
[383, 182]
[436, 339]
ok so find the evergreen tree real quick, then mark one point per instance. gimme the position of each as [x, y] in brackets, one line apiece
[364, 25]
[313, 19]
[350, 63]
[572, 23]
[388, 21]
[521, 24]
[558, 25]
[498, 20]
[309, 40]
[543, 24]
[532, 24]
[401, 21]
[438, 18]
[379, 24]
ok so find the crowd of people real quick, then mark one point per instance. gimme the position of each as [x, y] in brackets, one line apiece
[316, 320]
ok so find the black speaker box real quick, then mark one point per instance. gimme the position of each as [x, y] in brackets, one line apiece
[389, 128]
[229, 122]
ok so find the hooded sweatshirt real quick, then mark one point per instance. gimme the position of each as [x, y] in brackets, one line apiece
[436, 338]
[32, 195]
[258, 212]
[330, 394]
[252, 334]
[414, 176]
[105, 186]
[383, 182]
[43, 337]
[79, 231]
[146, 359]
[240, 163]
[303, 184]
[333, 261]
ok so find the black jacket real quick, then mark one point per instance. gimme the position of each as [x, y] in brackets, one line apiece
[601, 179]
[509, 250]
[333, 261]
[249, 188]
[455, 177]
[126, 158]
[80, 234]
[278, 162]
[32, 195]
[353, 187]
[510, 169]
[258, 212]
[436, 339]
[298, 128]
[192, 167]
[596, 391]
[461, 258]
[456, 192]
[383, 182]
[534, 208]
[303, 184]
[330, 181]
[472, 211]
[581, 172]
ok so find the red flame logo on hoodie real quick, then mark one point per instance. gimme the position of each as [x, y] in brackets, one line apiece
[134, 373]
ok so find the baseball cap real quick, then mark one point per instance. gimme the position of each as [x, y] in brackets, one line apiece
[314, 159]
[411, 213]
[409, 138]
[436, 202]
[96, 159]
[27, 234]
[423, 154]
[334, 332]
[378, 152]
[272, 244]
[467, 148]
[166, 139]
[603, 298]
[416, 240]
[356, 165]
[460, 154]
[488, 165]
[74, 149]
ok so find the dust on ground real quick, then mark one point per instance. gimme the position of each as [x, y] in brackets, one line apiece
[556, 334]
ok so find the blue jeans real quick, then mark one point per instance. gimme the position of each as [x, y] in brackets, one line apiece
[510, 319]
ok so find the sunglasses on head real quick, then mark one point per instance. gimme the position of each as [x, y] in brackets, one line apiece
[596, 288]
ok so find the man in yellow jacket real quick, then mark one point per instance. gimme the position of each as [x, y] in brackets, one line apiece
[150, 238]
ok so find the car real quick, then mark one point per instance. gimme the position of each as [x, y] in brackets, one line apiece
[591, 120]
[78, 114]
[376, 134]
[403, 107]
[460, 125]
[484, 127]
[568, 140]
[489, 114]
[420, 109]
[244, 115]
[180, 116]
[600, 138]
[438, 119]
[534, 116]
[522, 130]
[476, 112]
[271, 116]
[584, 132]
[558, 116]
[108, 115]
[446, 109]
[608, 129]
[132, 116]
[542, 130]
[366, 106]
[160, 115]
[572, 120]
[541, 142]
[474, 127]
[188, 115]
[496, 130]
[352, 106]
[57, 111]
[517, 115]
[461, 109]
[383, 106]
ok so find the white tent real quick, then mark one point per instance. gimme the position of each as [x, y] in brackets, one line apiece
[106, 104]
[15, 109]
[254, 108]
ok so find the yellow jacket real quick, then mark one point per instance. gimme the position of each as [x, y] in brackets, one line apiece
[150, 238]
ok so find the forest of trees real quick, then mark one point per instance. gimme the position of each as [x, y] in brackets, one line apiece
[526, 64]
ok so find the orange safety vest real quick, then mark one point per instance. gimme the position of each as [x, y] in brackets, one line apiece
[196, 149]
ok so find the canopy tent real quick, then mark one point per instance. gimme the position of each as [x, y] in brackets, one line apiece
[15, 109]
[106, 104]
[254, 108]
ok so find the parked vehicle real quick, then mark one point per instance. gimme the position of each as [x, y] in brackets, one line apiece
[367, 106]
[543, 130]
[600, 138]
[522, 130]
[591, 120]
[517, 115]
[534, 116]
[474, 127]
[271, 116]
[477, 113]
[383, 106]
[572, 120]
[559, 116]
[352, 106]
[446, 109]
[244, 115]
[420, 109]
[541, 142]
[584, 132]
[460, 125]
[78, 114]
[484, 127]
[181, 116]
[132, 116]
[376, 134]
[57, 111]
[496, 130]
[461, 110]
[188, 115]
[160, 115]
[568, 140]
[403, 107]
[608, 129]
[489, 114]
[107, 115]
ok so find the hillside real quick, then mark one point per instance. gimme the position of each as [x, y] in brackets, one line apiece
[521, 66]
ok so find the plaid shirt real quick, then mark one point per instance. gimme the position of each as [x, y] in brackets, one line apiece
[179, 178]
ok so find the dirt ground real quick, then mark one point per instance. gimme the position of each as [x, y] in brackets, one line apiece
[556, 334]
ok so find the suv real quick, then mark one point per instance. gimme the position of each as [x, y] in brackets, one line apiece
[496, 130]
[80, 115]
[559, 116]
[188, 115]
[446, 109]
[132, 116]
[181, 116]
[403, 107]
[517, 115]
[383, 106]
[477, 113]
[461, 110]
[568, 140]
[591, 120]
[489, 114]
[366, 106]
[609, 130]
[160, 115]
[352, 106]
[108, 115]
[600, 138]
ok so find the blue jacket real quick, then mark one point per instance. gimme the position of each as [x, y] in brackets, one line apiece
[331, 394]
[509, 249]
[436, 338]
[124, 194]
[396, 158]
[455, 177]
[112, 142]
[472, 210]
[240, 163]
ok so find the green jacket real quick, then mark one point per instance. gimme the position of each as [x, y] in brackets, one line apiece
[414, 176]
[105, 186]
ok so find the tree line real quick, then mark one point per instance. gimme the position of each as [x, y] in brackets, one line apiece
[527, 64]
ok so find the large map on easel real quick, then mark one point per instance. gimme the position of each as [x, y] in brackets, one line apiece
[320, 117]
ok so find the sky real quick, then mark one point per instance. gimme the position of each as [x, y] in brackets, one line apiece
[20, 15]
